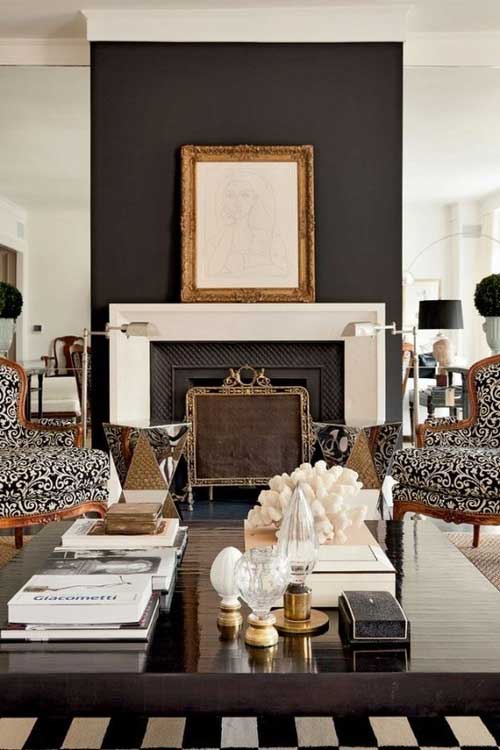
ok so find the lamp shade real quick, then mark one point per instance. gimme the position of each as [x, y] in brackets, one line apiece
[440, 314]
[139, 329]
[359, 329]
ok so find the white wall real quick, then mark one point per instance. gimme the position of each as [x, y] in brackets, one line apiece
[59, 283]
[423, 224]
[45, 171]
[459, 261]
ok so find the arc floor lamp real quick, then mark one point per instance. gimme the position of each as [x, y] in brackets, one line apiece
[135, 329]
[443, 314]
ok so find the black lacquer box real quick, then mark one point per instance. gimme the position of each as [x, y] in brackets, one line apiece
[372, 617]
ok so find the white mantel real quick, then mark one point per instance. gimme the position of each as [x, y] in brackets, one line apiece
[377, 21]
[364, 358]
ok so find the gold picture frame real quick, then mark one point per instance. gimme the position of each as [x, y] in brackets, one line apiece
[264, 197]
[250, 445]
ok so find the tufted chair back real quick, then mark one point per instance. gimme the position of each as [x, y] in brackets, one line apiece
[15, 431]
[12, 388]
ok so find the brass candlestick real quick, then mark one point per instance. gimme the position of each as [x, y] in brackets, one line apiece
[297, 617]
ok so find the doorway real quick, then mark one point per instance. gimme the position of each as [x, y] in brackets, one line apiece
[8, 273]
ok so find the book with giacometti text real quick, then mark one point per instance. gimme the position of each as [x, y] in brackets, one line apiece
[81, 600]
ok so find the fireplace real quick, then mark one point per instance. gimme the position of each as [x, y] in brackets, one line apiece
[296, 343]
[177, 366]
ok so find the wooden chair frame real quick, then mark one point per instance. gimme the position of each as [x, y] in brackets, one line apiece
[453, 516]
[67, 343]
[19, 522]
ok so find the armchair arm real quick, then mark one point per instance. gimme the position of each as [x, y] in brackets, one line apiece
[46, 359]
[51, 436]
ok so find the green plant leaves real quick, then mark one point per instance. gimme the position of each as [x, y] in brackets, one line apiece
[11, 301]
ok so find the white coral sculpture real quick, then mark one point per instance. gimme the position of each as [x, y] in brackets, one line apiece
[328, 492]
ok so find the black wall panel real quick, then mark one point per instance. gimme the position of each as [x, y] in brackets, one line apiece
[149, 99]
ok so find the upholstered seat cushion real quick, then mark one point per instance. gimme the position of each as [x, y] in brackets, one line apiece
[44, 480]
[457, 472]
[443, 501]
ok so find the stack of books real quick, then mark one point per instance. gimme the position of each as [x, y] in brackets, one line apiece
[134, 518]
[85, 607]
[98, 586]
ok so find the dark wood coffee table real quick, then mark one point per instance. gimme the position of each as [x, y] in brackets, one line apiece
[453, 666]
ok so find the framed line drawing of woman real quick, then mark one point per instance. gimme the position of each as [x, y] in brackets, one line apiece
[247, 224]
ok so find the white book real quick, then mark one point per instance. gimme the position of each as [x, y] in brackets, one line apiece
[110, 633]
[158, 563]
[89, 533]
[81, 600]
[359, 565]
[352, 559]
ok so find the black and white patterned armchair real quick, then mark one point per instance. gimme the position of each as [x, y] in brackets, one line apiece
[454, 474]
[44, 473]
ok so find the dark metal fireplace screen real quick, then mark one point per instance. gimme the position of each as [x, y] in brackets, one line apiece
[315, 365]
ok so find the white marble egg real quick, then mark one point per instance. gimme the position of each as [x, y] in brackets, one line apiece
[222, 575]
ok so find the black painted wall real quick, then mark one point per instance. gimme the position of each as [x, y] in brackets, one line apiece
[149, 99]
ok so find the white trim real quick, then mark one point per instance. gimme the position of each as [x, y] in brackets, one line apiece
[453, 49]
[375, 22]
[15, 51]
[364, 357]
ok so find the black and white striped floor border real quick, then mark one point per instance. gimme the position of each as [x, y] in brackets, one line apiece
[249, 733]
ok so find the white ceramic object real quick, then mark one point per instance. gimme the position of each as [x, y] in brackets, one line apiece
[7, 328]
[491, 327]
[222, 576]
[328, 492]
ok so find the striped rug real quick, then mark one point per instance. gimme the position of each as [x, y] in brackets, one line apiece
[284, 732]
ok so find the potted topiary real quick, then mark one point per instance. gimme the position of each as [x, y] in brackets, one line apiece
[11, 304]
[487, 301]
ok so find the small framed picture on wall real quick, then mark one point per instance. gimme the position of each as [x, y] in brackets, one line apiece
[413, 294]
[247, 224]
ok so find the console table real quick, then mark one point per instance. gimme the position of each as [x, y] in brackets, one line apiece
[453, 666]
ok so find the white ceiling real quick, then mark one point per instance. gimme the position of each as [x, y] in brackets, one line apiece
[45, 136]
[61, 18]
[451, 133]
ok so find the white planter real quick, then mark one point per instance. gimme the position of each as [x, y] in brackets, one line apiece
[491, 327]
[7, 328]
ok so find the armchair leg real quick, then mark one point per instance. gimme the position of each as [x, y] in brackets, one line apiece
[476, 535]
[18, 537]
[398, 513]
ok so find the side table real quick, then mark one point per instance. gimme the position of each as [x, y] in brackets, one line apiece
[147, 456]
[32, 370]
[368, 449]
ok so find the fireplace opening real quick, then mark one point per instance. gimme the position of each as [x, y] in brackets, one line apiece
[176, 366]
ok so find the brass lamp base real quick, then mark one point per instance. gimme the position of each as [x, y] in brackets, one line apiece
[261, 633]
[317, 623]
[297, 617]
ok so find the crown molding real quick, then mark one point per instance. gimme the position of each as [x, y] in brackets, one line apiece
[17, 51]
[452, 49]
[362, 23]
